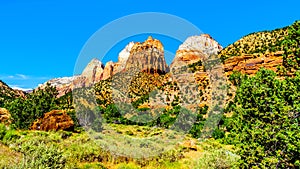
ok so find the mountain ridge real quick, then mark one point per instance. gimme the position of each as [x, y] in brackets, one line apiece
[248, 55]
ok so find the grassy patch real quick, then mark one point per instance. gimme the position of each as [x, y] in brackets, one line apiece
[113, 148]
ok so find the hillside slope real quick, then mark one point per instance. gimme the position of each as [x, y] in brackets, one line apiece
[7, 93]
[277, 50]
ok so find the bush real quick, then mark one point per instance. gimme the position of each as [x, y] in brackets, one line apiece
[112, 113]
[3, 131]
[217, 134]
[218, 159]
[40, 155]
[10, 136]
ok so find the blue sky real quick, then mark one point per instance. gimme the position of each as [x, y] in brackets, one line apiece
[41, 39]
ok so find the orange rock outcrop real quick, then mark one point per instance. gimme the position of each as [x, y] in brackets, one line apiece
[54, 120]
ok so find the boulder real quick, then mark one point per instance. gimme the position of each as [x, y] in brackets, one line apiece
[54, 120]
[4, 116]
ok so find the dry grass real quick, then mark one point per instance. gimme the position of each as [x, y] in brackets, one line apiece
[8, 157]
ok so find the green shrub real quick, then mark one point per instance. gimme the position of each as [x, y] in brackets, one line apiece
[40, 155]
[10, 136]
[218, 159]
[128, 166]
[3, 131]
[92, 166]
[72, 114]
[217, 134]
[112, 113]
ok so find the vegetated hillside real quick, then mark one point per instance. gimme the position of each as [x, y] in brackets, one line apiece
[270, 49]
[262, 120]
[256, 43]
[133, 85]
[7, 93]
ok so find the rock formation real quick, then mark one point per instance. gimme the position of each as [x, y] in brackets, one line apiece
[195, 48]
[189, 71]
[93, 72]
[4, 116]
[148, 57]
[108, 70]
[250, 63]
[122, 58]
[54, 120]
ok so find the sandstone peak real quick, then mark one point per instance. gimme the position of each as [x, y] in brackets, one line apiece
[150, 42]
[149, 38]
[93, 72]
[94, 62]
[124, 54]
[195, 48]
[203, 42]
[108, 70]
[148, 56]
[122, 58]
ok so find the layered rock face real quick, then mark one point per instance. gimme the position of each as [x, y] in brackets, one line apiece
[195, 48]
[54, 120]
[250, 63]
[148, 57]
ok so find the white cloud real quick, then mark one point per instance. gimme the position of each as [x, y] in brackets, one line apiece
[23, 82]
[22, 76]
[17, 87]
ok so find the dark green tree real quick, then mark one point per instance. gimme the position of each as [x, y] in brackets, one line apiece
[265, 121]
[25, 110]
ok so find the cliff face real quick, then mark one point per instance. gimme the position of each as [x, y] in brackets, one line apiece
[122, 58]
[256, 50]
[194, 49]
[108, 70]
[148, 57]
[250, 64]
[247, 55]
[189, 70]
[93, 72]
